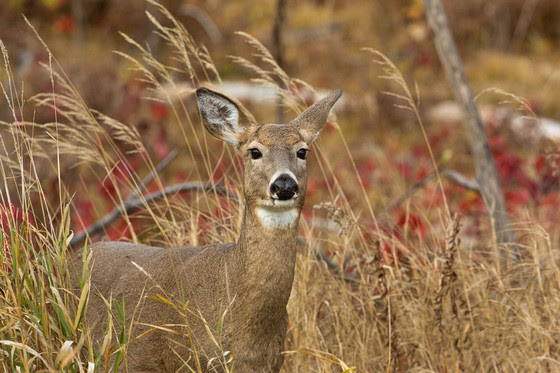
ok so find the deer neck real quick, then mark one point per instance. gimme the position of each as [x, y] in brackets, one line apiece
[265, 255]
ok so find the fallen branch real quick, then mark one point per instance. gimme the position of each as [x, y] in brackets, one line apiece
[133, 203]
[114, 214]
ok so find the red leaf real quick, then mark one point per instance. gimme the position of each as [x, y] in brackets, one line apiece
[159, 110]
[404, 169]
[64, 25]
[540, 164]
[414, 224]
[85, 213]
[161, 145]
[517, 197]
[508, 165]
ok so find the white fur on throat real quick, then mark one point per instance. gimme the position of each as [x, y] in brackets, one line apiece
[271, 218]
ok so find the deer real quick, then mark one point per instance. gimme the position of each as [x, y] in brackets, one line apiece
[235, 294]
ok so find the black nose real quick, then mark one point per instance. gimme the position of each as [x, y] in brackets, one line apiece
[284, 187]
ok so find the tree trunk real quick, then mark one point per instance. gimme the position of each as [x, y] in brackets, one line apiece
[278, 48]
[486, 173]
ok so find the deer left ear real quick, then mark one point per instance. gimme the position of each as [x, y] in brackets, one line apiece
[313, 119]
[221, 116]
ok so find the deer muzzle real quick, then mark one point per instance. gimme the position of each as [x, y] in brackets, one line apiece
[284, 188]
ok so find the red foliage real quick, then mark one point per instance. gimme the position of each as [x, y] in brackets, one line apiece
[404, 169]
[497, 144]
[64, 25]
[547, 167]
[159, 110]
[518, 197]
[122, 230]
[509, 167]
[85, 214]
[421, 172]
[471, 204]
[413, 223]
[312, 187]
[390, 251]
[420, 151]
[365, 171]
[160, 144]
[220, 171]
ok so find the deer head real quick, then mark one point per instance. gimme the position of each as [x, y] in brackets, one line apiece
[274, 155]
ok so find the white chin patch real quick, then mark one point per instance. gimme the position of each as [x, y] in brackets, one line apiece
[286, 203]
[271, 218]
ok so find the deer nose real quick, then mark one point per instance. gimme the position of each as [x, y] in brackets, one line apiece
[284, 187]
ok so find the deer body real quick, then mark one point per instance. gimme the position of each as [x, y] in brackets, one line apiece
[230, 298]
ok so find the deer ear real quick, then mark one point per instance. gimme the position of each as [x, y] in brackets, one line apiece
[221, 116]
[313, 119]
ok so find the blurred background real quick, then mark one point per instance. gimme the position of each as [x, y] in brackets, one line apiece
[512, 44]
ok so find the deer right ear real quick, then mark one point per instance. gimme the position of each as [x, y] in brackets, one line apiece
[313, 119]
[221, 116]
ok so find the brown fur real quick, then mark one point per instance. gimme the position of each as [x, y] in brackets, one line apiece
[244, 287]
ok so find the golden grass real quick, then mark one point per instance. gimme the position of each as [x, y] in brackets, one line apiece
[443, 306]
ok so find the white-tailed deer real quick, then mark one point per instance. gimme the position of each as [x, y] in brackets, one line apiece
[235, 295]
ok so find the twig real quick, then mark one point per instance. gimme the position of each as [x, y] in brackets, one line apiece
[114, 214]
[409, 192]
[462, 180]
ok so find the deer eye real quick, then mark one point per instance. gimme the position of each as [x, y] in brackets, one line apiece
[255, 153]
[302, 153]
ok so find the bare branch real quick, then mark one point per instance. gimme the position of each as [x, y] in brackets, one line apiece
[463, 181]
[133, 203]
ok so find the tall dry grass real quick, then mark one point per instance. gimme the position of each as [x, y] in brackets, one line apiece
[403, 303]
